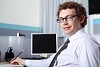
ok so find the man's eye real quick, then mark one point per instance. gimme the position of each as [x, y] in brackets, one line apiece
[60, 18]
[70, 17]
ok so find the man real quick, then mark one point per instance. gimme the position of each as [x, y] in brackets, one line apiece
[82, 51]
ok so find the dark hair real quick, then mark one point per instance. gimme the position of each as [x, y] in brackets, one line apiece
[80, 10]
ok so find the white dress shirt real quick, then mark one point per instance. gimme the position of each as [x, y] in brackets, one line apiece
[82, 51]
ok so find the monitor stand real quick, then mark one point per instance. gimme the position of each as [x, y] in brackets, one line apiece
[44, 55]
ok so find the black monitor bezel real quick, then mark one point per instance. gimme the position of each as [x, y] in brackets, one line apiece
[32, 53]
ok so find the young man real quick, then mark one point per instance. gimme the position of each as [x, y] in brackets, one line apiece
[82, 51]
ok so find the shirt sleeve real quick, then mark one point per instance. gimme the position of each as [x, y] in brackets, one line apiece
[39, 63]
[88, 55]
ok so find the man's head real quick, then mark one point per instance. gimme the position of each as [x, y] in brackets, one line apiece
[72, 17]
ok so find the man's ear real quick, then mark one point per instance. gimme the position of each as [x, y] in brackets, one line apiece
[82, 18]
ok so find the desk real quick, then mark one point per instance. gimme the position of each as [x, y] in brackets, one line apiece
[6, 64]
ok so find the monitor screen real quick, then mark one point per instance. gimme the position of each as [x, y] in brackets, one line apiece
[43, 43]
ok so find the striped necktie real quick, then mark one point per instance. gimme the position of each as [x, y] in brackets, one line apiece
[61, 49]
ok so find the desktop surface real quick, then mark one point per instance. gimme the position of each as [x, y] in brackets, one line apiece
[7, 64]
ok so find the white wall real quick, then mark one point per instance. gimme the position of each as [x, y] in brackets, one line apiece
[20, 12]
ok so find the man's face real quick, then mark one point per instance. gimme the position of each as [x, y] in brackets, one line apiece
[72, 24]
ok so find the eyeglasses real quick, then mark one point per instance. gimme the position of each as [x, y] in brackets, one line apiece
[67, 18]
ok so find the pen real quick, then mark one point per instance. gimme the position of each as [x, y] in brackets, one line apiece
[18, 54]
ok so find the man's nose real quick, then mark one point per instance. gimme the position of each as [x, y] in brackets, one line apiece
[65, 21]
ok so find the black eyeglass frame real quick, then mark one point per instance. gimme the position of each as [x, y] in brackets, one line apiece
[68, 16]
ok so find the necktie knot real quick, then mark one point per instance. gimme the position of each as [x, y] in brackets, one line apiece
[67, 41]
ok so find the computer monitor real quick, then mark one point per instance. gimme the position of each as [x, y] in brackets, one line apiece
[43, 43]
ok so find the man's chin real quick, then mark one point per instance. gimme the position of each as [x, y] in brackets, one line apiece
[66, 33]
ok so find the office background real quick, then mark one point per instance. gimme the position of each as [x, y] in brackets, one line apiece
[34, 16]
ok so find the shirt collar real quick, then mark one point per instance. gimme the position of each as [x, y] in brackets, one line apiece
[76, 35]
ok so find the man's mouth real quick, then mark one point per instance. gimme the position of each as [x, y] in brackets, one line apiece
[66, 28]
